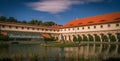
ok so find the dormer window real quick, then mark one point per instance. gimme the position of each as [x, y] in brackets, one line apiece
[117, 19]
[71, 24]
[79, 23]
[102, 20]
[90, 22]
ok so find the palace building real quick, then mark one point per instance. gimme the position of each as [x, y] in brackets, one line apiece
[101, 28]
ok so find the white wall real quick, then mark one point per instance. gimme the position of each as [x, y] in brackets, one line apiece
[98, 28]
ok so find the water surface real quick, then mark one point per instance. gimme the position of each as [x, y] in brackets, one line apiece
[35, 52]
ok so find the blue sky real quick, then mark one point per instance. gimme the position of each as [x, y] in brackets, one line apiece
[59, 11]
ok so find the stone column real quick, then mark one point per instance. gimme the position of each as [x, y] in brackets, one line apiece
[94, 37]
[108, 37]
[100, 37]
[116, 37]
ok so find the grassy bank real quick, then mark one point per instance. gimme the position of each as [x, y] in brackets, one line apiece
[58, 44]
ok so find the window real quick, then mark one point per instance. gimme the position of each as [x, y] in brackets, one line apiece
[88, 27]
[94, 26]
[117, 24]
[32, 28]
[46, 29]
[108, 25]
[9, 26]
[16, 27]
[42, 29]
[27, 28]
[73, 28]
[37, 28]
[82, 27]
[69, 29]
[64, 29]
[101, 26]
[3, 26]
[78, 28]
[22, 27]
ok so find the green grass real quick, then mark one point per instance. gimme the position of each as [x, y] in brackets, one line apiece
[58, 44]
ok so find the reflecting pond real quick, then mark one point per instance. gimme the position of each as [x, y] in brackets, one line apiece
[35, 52]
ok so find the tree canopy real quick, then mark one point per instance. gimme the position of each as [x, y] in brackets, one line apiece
[33, 21]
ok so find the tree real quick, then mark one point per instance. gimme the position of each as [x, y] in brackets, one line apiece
[49, 23]
[35, 22]
[4, 37]
[24, 21]
[79, 38]
[112, 38]
[75, 38]
[12, 19]
[91, 38]
[85, 38]
[97, 38]
[2, 18]
[104, 38]
[32, 22]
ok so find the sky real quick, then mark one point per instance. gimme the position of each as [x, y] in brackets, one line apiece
[59, 11]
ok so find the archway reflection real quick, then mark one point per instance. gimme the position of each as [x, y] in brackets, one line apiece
[94, 52]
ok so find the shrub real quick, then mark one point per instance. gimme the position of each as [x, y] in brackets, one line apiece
[79, 38]
[75, 39]
[4, 38]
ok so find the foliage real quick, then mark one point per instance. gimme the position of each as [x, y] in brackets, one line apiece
[79, 38]
[2, 18]
[85, 38]
[75, 38]
[12, 19]
[97, 38]
[91, 38]
[33, 21]
[3, 38]
[49, 23]
[50, 39]
[104, 38]
[57, 44]
[112, 38]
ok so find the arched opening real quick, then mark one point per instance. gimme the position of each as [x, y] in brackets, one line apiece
[64, 37]
[79, 38]
[85, 38]
[69, 38]
[90, 37]
[104, 38]
[118, 36]
[97, 38]
[111, 37]
[75, 38]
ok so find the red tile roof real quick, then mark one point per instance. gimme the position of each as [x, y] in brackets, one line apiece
[46, 35]
[105, 18]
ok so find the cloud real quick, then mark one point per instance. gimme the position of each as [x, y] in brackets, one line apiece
[56, 6]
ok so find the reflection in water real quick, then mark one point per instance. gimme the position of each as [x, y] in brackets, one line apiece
[88, 52]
